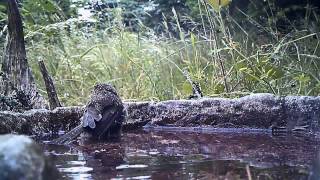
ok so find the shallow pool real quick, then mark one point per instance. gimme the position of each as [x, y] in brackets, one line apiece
[184, 155]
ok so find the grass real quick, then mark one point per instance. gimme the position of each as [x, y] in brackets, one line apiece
[227, 60]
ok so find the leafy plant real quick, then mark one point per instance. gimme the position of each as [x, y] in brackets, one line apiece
[226, 55]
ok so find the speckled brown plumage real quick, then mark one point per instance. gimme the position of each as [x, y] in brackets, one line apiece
[103, 115]
[104, 109]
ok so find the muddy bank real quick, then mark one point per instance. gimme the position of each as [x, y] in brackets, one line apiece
[255, 111]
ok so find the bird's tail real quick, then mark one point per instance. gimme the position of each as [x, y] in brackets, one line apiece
[67, 138]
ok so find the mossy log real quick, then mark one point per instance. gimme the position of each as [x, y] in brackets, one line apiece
[259, 111]
[40, 121]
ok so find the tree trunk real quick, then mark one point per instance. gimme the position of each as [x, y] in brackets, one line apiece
[17, 77]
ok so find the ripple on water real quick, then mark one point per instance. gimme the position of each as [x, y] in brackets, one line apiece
[173, 155]
[80, 169]
[133, 166]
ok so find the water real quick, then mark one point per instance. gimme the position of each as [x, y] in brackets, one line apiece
[186, 155]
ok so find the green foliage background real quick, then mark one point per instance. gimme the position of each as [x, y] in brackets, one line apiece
[142, 47]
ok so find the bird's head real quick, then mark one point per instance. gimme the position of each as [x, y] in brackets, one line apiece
[104, 87]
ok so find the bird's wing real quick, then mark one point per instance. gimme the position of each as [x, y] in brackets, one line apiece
[90, 116]
[91, 122]
[94, 113]
[108, 118]
[84, 123]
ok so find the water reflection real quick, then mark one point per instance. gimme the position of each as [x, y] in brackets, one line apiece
[172, 155]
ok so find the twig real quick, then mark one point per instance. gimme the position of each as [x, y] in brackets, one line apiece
[248, 172]
[51, 90]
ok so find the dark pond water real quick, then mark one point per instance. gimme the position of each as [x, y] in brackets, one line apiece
[173, 155]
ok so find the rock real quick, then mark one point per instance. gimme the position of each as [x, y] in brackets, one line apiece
[22, 159]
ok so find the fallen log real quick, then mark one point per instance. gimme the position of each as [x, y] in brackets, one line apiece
[40, 121]
[259, 111]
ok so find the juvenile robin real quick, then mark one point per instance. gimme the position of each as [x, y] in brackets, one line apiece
[102, 117]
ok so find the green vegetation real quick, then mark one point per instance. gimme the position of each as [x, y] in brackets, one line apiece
[229, 55]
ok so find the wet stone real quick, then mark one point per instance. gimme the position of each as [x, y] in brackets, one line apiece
[22, 159]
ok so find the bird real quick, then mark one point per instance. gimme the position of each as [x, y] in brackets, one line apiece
[102, 117]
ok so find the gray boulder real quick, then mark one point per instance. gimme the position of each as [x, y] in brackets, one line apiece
[22, 159]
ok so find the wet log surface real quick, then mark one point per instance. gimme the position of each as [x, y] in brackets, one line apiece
[259, 111]
[40, 121]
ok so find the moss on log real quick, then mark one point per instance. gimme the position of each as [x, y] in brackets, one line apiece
[255, 111]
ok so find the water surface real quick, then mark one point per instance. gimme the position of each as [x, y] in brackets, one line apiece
[187, 155]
